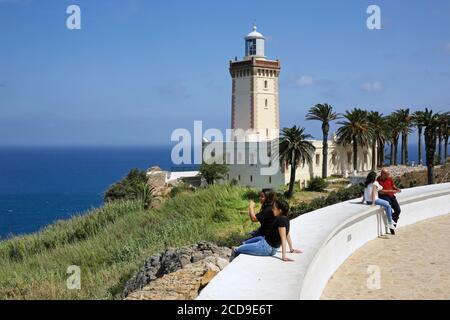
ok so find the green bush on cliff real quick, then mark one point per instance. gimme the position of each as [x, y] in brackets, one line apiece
[129, 188]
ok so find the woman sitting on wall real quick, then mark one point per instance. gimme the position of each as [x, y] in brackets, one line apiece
[265, 216]
[371, 197]
[276, 237]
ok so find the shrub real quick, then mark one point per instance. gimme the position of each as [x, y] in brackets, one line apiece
[213, 172]
[333, 198]
[129, 188]
[317, 184]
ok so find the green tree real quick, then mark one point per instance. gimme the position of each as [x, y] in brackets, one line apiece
[355, 130]
[446, 135]
[393, 134]
[325, 114]
[377, 123]
[442, 134]
[213, 172]
[419, 119]
[404, 125]
[129, 188]
[430, 123]
[295, 150]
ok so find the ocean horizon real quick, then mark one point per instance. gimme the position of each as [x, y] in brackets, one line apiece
[41, 185]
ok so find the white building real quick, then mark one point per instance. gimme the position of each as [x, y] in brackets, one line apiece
[255, 110]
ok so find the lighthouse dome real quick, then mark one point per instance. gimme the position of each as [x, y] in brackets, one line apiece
[254, 34]
[254, 45]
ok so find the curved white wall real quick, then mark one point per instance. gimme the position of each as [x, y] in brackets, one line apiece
[327, 238]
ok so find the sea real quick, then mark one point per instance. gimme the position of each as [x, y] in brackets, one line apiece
[40, 185]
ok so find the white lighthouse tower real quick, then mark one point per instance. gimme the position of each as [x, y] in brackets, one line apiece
[255, 90]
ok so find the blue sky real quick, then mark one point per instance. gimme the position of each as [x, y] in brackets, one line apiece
[139, 69]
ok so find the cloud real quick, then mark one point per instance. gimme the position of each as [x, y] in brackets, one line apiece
[376, 86]
[304, 81]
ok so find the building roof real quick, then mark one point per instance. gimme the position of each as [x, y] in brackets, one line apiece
[254, 34]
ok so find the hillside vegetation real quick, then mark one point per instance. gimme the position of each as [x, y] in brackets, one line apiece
[111, 243]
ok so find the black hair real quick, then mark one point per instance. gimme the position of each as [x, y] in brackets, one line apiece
[283, 206]
[371, 177]
[270, 196]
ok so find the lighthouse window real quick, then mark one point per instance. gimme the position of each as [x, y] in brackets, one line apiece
[266, 104]
[251, 47]
[265, 84]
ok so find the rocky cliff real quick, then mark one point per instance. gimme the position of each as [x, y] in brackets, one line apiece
[177, 273]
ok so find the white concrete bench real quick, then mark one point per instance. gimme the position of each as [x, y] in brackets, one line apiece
[327, 237]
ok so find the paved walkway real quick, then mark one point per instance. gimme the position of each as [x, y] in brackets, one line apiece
[414, 264]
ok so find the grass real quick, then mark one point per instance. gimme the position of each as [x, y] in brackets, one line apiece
[305, 196]
[110, 244]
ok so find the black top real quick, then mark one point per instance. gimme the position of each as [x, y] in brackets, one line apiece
[273, 236]
[266, 218]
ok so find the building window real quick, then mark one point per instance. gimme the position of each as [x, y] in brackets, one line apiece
[317, 159]
[251, 178]
[239, 177]
[266, 103]
[267, 133]
[265, 84]
[270, 179]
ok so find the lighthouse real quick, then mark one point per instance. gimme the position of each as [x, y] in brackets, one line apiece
[255, 104]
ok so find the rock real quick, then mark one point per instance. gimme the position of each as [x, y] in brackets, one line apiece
[184, 284]
[175, 259]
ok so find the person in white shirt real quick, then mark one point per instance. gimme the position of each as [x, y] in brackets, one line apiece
[371, 188]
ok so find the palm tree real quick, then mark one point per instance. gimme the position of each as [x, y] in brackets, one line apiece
[393, 133]
[431, 123]
[446, 135]
[295, 150]
[377, 124]
[442, 136]
[323, 113]
[405, 123]
[419, 119]
[355, 130]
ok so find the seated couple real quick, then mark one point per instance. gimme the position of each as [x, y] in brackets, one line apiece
[274, 230]
[381, 191]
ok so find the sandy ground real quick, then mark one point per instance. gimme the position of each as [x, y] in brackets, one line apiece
[414, 264]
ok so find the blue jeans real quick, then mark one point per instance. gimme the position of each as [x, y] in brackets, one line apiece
[386, 205]
[257, 247]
